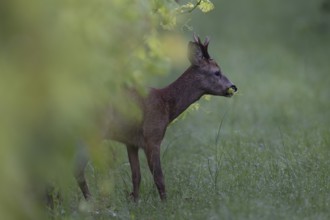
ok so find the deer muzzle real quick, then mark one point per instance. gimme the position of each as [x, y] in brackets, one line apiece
[231, 90]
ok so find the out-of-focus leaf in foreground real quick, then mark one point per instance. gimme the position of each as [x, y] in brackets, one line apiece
[61, 62]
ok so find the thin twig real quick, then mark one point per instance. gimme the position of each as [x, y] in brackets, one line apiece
[197, 4]
[192, 9]
[219, 129]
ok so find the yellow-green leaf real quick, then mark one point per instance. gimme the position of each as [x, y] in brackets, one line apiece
[206, 6]
[207, 97]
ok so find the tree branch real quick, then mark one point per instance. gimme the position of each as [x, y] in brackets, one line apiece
[198, 3]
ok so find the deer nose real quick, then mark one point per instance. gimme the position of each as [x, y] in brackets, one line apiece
[234, 88]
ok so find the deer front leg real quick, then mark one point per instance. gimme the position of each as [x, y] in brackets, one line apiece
[153, 157]
[133, 158]
[156, 119]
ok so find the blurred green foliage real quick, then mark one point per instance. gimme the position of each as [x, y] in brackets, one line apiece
[60, 63]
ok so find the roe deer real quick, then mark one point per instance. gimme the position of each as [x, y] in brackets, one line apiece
[159, 108]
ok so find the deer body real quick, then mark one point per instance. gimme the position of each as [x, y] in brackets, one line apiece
[159, 108]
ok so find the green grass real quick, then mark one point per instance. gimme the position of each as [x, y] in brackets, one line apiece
[283, 176]
[270, 157]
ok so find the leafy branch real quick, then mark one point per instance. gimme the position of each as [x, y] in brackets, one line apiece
[196, 5]
[204, 5]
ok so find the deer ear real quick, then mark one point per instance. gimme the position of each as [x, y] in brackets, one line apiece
[195, 54]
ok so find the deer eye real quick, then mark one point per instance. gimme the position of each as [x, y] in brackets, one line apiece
[217, 73]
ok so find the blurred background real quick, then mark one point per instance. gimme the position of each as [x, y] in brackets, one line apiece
[61, 61]
[277, 53]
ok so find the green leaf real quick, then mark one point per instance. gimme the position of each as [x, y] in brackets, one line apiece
[207, 97]
[185, 8]
[206, 6]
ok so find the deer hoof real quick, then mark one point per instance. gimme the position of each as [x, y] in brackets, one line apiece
[134, 197]
[163, 197]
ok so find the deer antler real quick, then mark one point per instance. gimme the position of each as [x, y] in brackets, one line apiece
[196, 38]
[202, 46]
[206, 42]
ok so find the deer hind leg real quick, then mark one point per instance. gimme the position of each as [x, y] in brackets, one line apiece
[83, 186]
[153, 157]
[133, 158]
[79, 172]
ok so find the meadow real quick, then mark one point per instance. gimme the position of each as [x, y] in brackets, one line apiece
[264, 153]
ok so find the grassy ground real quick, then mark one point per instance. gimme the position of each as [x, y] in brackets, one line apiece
[269, 159]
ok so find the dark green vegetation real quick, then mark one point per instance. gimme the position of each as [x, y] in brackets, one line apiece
[263, 154]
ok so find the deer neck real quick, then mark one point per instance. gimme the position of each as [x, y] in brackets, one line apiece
[180, 94]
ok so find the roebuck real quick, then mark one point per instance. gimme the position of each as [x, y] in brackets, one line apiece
[159, 108]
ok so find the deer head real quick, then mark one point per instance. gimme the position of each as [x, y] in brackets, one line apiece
[212, 80]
